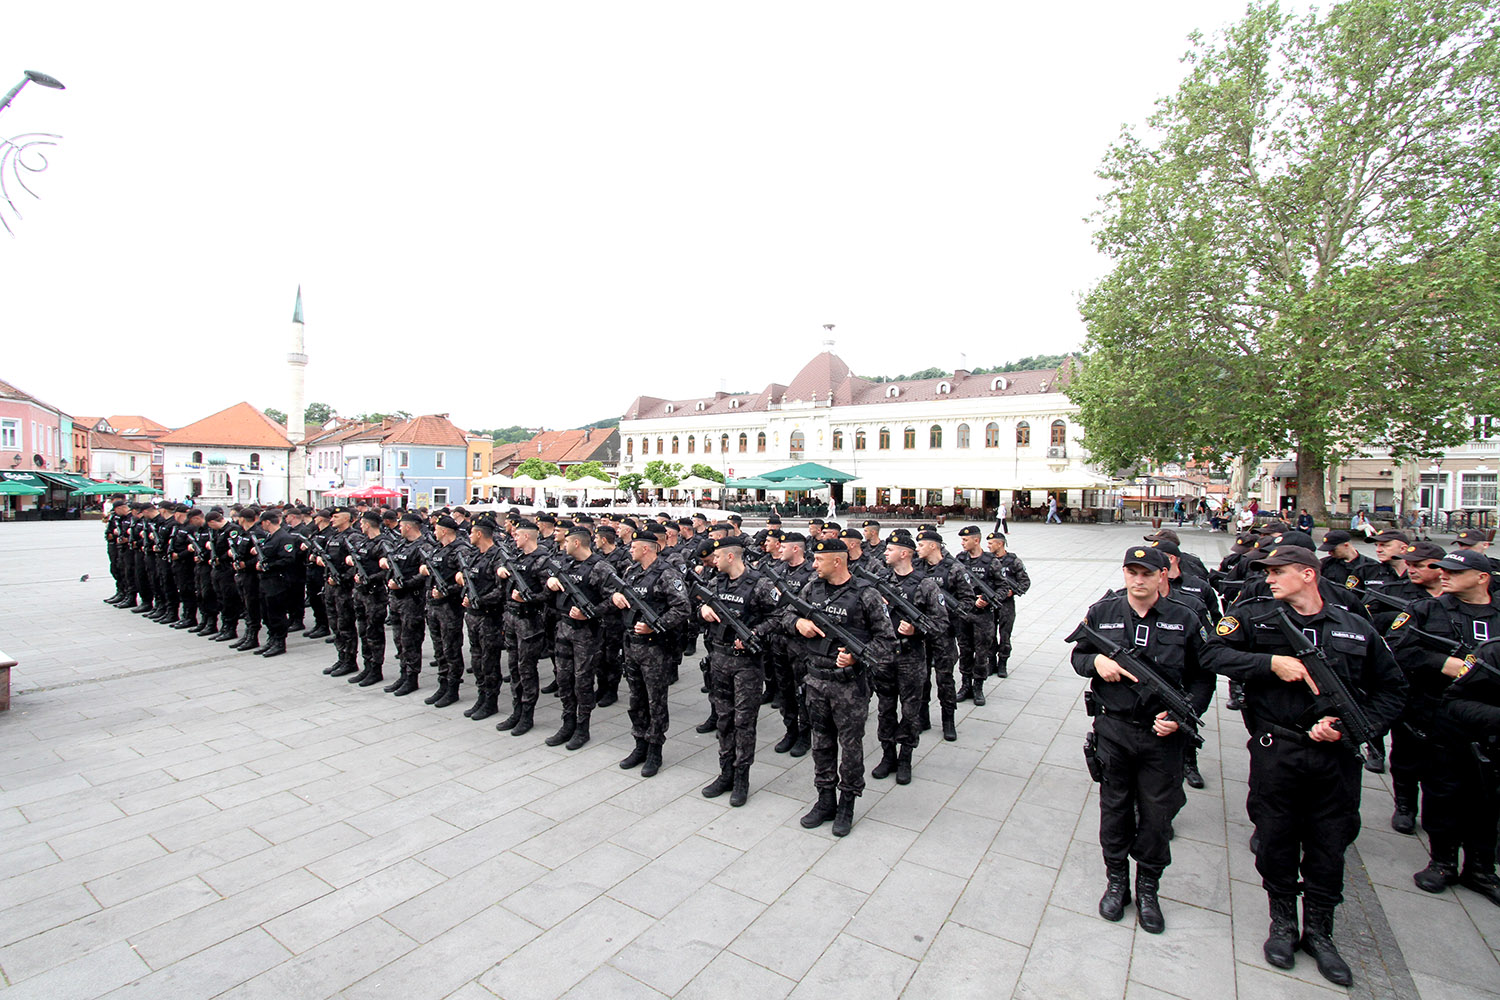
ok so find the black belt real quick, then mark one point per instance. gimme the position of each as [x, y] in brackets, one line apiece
[842, 675]
[1133, 718]
[1274, 732]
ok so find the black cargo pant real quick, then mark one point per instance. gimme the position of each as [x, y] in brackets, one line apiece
[167, 581]
[976, 646]
[296, 597]
[370, 609]
[273, 608]
[648, 670]
[611, 652]
[116, 566]
[203, 584]
[735, 683]
[185, 580]
[411, 630]
[898, 684]
[576, 651]
[249, 587]
[1304, 802]
[525, 639]
[1457, 809]
[1140, 793]
[1005, 623]
[445, 620]
[231, 605]
[345, 624]
[489, 672]
[144, 584]
[942, 654]
[839, 709]
[314, 588]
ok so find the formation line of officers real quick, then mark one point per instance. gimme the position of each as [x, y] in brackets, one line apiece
[1325, 659]
[811, 623]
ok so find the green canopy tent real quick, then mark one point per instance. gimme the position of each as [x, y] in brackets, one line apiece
[112, 489]
[809, 470]
[11, 488]
[799, 484]
[751, 483]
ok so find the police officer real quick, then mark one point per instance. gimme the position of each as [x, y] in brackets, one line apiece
[976, 633]
[371, 603]
[942, 652]
[794, 573]
[484, 614]
[1344, 561]
[838, 684]
[1435, 643]
[445, 619]
[736, 674]
[653, 583]
[579, 641]
[898, 681]
[247, 575]
[611, 627]
[409, 601]
[279, 566]
[1304, 780]
[525, 624]
[338, 597]
[1014, 581]
[874, 544]
[1137, 747]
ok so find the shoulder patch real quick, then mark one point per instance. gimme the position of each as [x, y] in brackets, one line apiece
[1351, 581]
[1401, 619]
[1227, 625]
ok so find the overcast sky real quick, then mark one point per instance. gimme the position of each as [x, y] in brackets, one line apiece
[531, 213]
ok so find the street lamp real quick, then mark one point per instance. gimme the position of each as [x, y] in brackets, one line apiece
[21, 152]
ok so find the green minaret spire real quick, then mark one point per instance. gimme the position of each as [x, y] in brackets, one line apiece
[297, 310]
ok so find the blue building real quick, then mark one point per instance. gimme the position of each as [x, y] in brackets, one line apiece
[423, 460]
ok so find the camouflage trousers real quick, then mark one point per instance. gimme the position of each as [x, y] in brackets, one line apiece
[487, 659]
[648, 667]
[838, 711]
[976, 646]
[341, 617]
[735, 685]
[407, 609]
[577, 649]
[898, 684]
[445, 620]
[370, 609]
[525, 640]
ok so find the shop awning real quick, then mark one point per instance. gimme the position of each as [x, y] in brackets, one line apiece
[67, 480]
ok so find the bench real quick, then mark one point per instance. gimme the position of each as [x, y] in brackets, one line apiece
[5, 664]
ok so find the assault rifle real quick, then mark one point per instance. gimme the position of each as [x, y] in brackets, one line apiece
[1148, 680]
[329, 563]
[645, 611]
[981, 588]
[443, 589]
[1378, 596]
[742, 632]
[1334, 696]
[517, 580]
[853, 644]
[471, 589]
[570, 586]
[393, 563]
[923, 622]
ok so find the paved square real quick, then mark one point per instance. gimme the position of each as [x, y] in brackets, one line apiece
[180, 820]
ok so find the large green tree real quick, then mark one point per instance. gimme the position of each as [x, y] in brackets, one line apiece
[1305, 244]
[536, 468]
[663, 473]
[582, 469]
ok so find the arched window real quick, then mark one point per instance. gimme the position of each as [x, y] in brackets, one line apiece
[885, 439]
[255, 460]
[699, 407]
[670, 407]
[724, 443]
[796, 443]
[645, 446]
[838, 440]
[760, 441]
[944, 388]
[660, 450]
[1023, 435]
[998, 384]
[197, 458]
[963, 435]
[909, 438]
[892, 392]
[992, 435]
[630, 447]
[708, 444]
[1059, 434]
[859, 440]
[935, 436]
[744, 442]
[692, 444]
[674, 444]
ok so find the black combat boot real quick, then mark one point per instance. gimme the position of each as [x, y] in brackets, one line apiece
[580, 734]
[343, 668]
[509, 722]
[1375, 763]
[608, 695]
[408, 685]
[318, 631]
[1281, 943]
[297, 627]
[1317, 941]
[1001, 670]
[950, 731]
[1190, 772]
[1441, 871]
[822, 811]
[635, 756]
[723, 783]
[488, 704]
[564, 732]
[170, 617]
[1116, 891]
[275, 646]
[741, 793]
[1147, 906]
[1404, 819]
[979, 691]
[550, 687]
[442, 689]
[359, 678]
[1236, 697]
[524, 722]
[145, 608]
[450, 696]
[374, 675]
[887, 762]
[843, 817]
[252, 641]
[965, 691]
[210, 626]
[709, 724]
[652, 764]
[231, 630]
[400, 680]
[803, 744]
[127, 602]
[789, 740]
[903, 766]
[1480, 879]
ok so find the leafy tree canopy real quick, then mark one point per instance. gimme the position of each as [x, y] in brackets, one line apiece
[1306, 244]
[582, 469]
[537, 469]
[662, 473]
[1026, 364]
[707, 472]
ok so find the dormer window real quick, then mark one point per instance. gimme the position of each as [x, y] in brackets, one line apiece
[892, 392]
[670, 407]
[700, 407]
[943, 388]
[998, 384]
[734, 404]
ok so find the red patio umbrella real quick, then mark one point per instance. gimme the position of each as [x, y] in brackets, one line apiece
[374, 493]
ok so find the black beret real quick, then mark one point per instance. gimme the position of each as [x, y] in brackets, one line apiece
[995, 534]
[195, 512]
[773, 519]
[831, 545]
[731, 542]
[965, 532]
[832, 524]
[525, 525]
[870, 524]
[370, 516]
[794, 538]
[647, 537]
[411, 518]
[546, 519]
[684, 522]
[928, 535]
[852, 533]
[901, 540]
[722, 526]
[775, 533]
[445, 521]
[581, 530]
[736, 518]
[325, 512]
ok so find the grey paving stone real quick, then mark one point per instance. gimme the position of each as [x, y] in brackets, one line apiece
[330, 967]
[331, 914]
[852, 965]
[967, 964]
[449, 960]
[209, 972]
[664, 882]
[92, 975]
[904, 914]
[567, 953]
[45, 912]
[791, 935]
[668, 955]
[236, 876]
[551, 897]
[462, 896]
[607, 981]
[748, 980]
[1023, 887]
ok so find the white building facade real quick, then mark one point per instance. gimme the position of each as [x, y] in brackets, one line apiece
[965, 440]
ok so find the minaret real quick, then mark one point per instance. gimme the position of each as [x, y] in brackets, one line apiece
[295, 425]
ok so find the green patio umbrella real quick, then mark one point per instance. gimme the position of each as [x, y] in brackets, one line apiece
[110, 489]
[809, 470]
[9, 488]
[751, 483]
[799, 483]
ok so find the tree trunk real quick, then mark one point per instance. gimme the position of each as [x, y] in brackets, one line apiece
[1311, 472]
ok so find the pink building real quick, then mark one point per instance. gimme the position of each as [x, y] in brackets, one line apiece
[36, 447]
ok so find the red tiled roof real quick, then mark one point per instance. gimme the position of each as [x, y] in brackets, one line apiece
[564, 447]
[8, 391]
[105, 441]
[827, 373]
[240, 426]
[432, 429]
[139, 425]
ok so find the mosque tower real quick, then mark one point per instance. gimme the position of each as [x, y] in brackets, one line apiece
[295, 424]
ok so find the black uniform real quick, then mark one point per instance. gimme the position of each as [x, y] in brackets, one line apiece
[579, 642]
[280, 569]
[942, 652]
[371, 604]
[445, 620]
[899, 682]
[648, 658]
[736, 675]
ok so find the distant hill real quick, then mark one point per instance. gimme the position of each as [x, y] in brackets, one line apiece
[1025, 364]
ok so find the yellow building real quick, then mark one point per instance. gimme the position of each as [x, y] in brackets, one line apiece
[477, 465]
